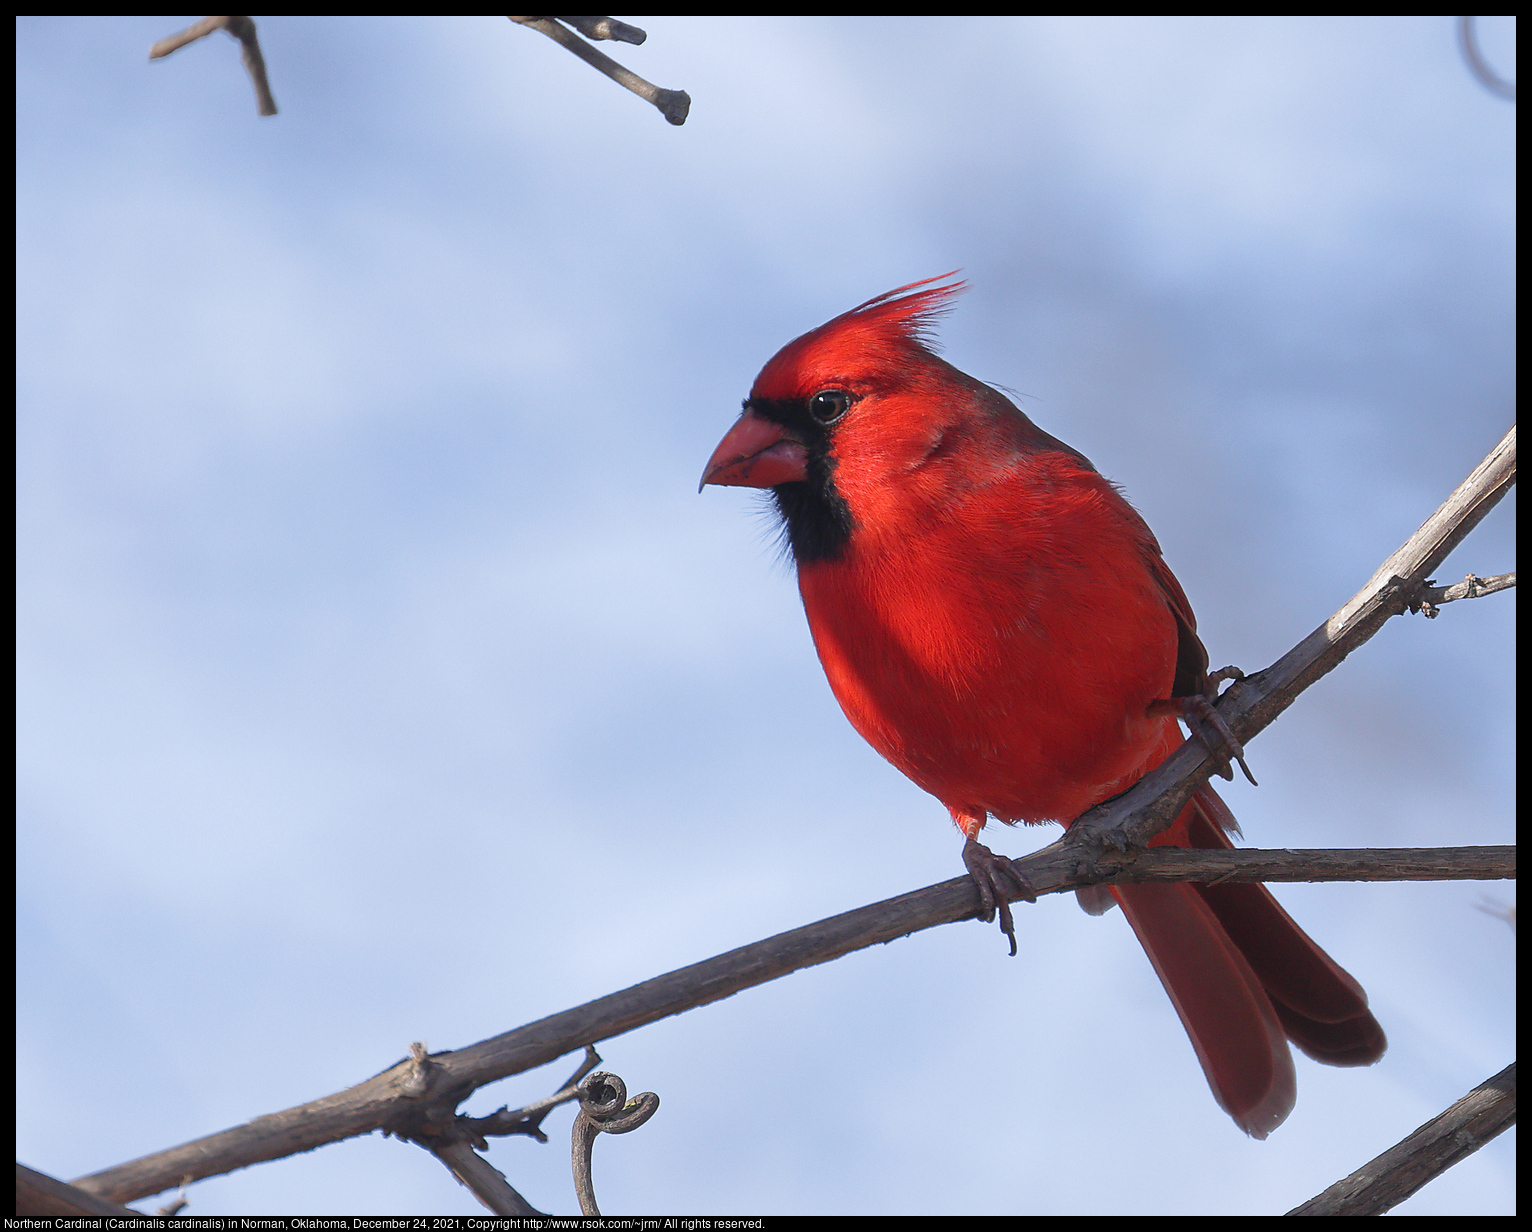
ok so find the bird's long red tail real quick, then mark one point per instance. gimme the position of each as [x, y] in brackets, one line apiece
[1245, 979]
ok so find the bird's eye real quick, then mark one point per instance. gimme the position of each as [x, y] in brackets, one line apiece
[828, 405]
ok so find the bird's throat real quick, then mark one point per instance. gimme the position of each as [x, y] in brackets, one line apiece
[815, 516]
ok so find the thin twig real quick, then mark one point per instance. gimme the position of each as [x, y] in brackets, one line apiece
[1431, 596]
[1468, 44]
[672, 104]
[598, 29]
[416, 1097]
[1486, 1111]
[528, 1120]
[241, 28]
[482, 1179]
[180, 1203]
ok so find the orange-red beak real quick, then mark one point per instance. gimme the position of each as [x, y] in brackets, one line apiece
[755, 453]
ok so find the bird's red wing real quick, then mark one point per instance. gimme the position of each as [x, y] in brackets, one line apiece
[1191, 655]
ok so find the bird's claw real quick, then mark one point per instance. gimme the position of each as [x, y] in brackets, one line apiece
[1214, 679]
[998, 881]
[1209, 727]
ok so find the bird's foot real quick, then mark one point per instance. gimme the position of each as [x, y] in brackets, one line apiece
[1214, 679]
[1209, 727]
[998, 881]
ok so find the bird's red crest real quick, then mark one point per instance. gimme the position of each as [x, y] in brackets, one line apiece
[873, 336]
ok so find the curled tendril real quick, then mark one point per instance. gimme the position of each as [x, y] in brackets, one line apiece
[1468, 44]
[604, 1109]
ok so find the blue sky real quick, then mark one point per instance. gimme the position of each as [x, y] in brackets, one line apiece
[384, 678]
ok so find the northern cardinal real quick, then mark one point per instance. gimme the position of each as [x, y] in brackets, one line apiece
[997, 621]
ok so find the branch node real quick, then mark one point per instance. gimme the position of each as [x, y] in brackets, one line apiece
[241, 28]
[417, 1079]
[1429, 597]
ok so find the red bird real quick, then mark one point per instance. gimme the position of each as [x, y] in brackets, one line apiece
[997, 621]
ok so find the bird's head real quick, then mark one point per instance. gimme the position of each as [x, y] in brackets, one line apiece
[844, 418]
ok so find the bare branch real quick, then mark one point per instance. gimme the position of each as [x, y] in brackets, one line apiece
[482, 1179]
[1431, 596]
[241, 28]
[672, 104]
[401, 1098]
[453, 1139]
[1316, 864]
[416, 1097]
[528, 1120]
[599, 28]
[193, 32]
[1249, 705]
[1468, 44]
[41, 1195]
[1485, 1112]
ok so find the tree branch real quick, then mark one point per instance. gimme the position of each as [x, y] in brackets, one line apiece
[1431, 596]
[241, 28]
[598, 28]
[41, 1195]
[482, 1179]
[1485, 1112]
[528, 1120]
[454, 1140]
[1317, 864]
[672, 104]
[416, 1098]
[1248, 706]
[402, 1098]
